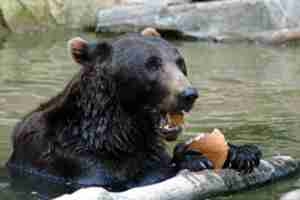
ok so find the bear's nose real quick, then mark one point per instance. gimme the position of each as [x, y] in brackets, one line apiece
[188, 97]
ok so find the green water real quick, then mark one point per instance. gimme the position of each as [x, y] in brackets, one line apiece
[251, 92]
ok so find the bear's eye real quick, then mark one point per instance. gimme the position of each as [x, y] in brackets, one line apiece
[153, 63]
[181, 64]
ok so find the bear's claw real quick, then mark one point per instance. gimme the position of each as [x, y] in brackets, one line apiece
[201, 163]
[243, 158]
[189, 159]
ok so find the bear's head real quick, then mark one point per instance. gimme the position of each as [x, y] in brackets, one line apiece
[146, 74]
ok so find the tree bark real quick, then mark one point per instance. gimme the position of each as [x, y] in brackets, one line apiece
[200, 185]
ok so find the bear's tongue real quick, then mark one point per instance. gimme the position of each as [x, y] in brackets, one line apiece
[175, 119]
[172, 125]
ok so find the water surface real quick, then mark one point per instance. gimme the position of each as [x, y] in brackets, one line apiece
[250, 92]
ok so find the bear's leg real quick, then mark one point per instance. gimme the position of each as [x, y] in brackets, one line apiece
[189, 159]
[156, 176]
[241, 158]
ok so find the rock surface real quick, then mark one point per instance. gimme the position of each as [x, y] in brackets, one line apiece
[293, 195]
[3, 28]
[187, 185]
[25, 15]
[40, 15]
[219, 20]
[234, 19]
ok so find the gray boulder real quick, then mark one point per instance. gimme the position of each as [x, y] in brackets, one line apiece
[3, 28]
[41, 15]
[26, 15]
[293, 195]
[234, 19]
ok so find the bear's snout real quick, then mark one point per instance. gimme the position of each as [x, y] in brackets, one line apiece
[187, 98]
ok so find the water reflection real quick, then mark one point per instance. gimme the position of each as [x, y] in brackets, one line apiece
[250, 92]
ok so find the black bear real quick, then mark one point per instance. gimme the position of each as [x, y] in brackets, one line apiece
[106, 127]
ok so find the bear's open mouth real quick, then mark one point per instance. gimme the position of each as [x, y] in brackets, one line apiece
[171, 125]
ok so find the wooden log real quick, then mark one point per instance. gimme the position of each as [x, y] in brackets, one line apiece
[200, 185]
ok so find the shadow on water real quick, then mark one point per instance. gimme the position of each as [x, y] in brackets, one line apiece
[31, 188]
[250, 92]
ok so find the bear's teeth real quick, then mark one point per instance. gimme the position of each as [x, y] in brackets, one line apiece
[198, 137]
[167, 126]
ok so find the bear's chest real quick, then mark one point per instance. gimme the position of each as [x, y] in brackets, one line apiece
[127, 173]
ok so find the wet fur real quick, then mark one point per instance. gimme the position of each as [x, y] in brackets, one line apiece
[86, 125]
[96, 132]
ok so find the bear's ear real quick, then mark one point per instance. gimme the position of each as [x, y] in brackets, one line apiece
[150, 32]
[79, 50]
[86, 54]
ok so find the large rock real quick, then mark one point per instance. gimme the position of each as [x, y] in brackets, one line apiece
[40, 15]
[156, 2]
[3, 28]
[26, 15]
[219, 19]
[293, 195]
[187, 185]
